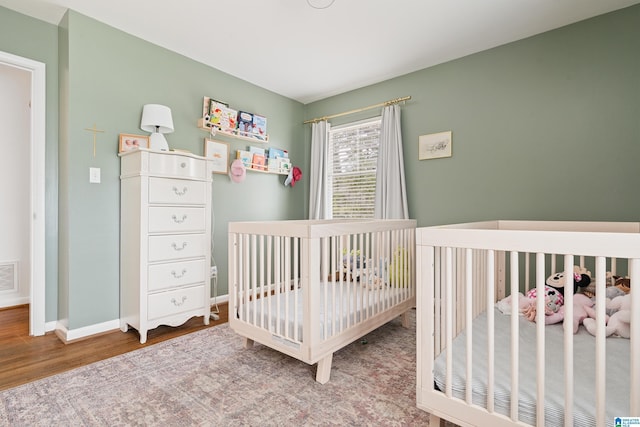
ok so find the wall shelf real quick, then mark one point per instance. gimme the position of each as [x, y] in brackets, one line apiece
[245, 136]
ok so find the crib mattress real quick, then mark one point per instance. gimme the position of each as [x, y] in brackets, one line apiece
[617, 372]
[283, 313]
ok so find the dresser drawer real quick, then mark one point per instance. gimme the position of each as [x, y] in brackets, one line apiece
[176, 165]
[172, 275]
[176, 191]
[179, 246]
[168, 303]
[176, 219]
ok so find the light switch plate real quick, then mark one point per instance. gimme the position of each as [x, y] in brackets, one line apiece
[94, 175]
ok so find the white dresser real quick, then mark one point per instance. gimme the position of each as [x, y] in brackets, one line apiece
[165, 239]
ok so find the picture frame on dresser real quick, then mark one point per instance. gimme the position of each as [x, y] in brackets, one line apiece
[128, 142]
[218, 152]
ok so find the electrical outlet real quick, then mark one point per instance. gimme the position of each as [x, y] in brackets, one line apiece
[94, 175]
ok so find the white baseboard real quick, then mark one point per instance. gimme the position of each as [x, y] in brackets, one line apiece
[68, 336]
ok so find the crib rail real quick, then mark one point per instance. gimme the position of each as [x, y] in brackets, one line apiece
[462, 270]
[307, 287]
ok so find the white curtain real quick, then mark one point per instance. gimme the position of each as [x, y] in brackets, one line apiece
[318, 203]
[391, 191]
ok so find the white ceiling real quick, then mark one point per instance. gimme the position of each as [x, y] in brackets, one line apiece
[307, 54]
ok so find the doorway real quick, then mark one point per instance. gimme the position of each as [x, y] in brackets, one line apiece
[22, 255]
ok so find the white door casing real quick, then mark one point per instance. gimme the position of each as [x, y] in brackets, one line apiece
[37, 187]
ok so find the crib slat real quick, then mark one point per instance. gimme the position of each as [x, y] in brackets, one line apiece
[469, 320]
[449, 319]
[634, 355]
[270, 326]
[568, 344]
[437, 295]
[601, 361]
[286, 266]
[277, 283]
[540, 360]
[296, 286]
[490, 298]
[515, 349]
[326, 271]
[254, 278]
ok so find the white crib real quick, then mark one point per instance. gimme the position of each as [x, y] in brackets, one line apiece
[308, 288]
[465, 370]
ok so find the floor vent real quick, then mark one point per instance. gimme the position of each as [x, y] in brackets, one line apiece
[8, 276]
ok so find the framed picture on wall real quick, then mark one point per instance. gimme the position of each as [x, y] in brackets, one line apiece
[219, 153]
[434, 146]
[130, 142]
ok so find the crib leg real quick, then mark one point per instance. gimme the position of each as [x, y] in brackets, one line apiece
[248, 343]
[404, 318]
[435, 421]
[324, 369]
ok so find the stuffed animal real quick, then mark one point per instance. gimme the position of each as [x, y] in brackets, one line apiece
[582, 309]
[580, 280]
[619, 323]
[553, 301]
[623, 283]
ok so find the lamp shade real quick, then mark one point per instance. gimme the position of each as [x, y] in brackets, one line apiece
[156, 118]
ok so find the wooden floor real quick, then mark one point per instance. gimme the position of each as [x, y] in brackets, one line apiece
[24, 358]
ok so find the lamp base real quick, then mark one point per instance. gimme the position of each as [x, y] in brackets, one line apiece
[157, 141]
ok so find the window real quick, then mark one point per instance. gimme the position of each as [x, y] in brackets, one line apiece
[351, 173]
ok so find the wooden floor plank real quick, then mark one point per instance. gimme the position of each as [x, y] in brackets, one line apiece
[24, 358]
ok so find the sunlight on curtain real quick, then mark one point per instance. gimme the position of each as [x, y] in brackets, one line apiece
[318, 204]
[391, 191]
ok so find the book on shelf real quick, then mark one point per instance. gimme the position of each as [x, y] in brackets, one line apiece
[259, 162]
[222, 116]
[284, 164]
[257, 150]
[245, 123]
[245, 156]
[275, 153]
[259, 127]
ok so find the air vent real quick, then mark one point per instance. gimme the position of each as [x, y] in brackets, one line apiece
[8, 276]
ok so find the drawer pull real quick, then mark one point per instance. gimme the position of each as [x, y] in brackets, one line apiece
[180, 275]
[180, 193]
[178, 221]
[175, 247]
[178, 304]
[183, 165]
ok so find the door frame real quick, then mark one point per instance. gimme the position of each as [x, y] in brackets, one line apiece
[37, 199]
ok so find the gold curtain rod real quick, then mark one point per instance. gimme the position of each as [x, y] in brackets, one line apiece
[382, 104]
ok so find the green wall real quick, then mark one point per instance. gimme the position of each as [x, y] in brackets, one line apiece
[30, 38]
[111, 75]
[99, 75]
[543, 128]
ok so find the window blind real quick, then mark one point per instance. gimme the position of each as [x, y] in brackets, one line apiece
[353, 156]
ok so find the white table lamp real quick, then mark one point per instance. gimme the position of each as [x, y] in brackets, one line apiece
[157, 120]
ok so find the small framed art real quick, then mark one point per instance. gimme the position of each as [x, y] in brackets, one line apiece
[130, 142]
[434, 146]
[219, 153]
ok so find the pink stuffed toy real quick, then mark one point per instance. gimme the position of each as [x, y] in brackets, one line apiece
[553, 300]
[620, 321]
[582, 309]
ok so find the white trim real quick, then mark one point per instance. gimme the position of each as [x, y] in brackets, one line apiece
[67, 335]
[38, 132]
[357, 123]
[50, 326]
[219, 299]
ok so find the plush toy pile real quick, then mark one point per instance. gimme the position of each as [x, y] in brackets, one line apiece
[618, 302]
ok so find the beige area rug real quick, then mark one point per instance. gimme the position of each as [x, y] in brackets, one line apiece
[207, 378]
